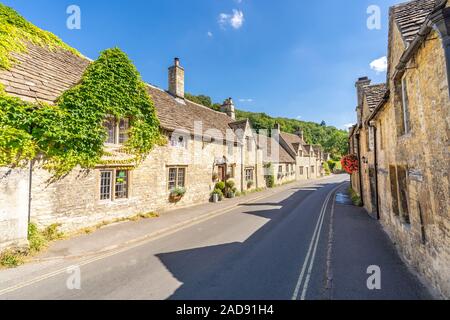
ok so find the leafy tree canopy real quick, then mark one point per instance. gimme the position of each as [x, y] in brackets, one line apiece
[333, 140]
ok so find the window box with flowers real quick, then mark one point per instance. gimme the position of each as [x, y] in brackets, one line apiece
[177, 194]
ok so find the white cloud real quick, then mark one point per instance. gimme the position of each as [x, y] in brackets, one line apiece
[348, 125]
[379, 65]
[299, 117]
[210, 34]
[245, 100]
[235, 20]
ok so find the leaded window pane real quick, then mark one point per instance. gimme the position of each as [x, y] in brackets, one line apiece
[105, 185]
[121, 184]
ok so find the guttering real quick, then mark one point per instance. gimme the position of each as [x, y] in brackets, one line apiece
[379, 107]
[375, 153]
[418, 40]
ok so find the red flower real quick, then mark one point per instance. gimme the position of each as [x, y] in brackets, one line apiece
[350, 163]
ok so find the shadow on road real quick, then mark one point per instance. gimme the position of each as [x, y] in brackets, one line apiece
[262, 267]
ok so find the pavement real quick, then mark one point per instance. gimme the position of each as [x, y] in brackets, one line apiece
[292, 242]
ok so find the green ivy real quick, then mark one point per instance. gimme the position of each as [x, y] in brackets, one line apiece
[71, 133]
[15, 32]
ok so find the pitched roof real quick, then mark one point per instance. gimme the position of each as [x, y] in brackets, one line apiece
[410, 16]
[43, 75]
[175, 113]
[374, 94]
[293, 141]
[266, 143]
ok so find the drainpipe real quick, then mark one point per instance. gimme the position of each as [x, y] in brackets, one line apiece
[359, 173]
[242, 167]
[30, 184]
[375, 152]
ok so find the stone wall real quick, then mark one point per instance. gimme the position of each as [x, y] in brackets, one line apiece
[74, 201]
[424, 240]
[14, 187]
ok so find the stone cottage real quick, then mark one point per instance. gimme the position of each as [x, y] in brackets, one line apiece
[203, 146]
[369, 96]
[308, 158]
[410, 140]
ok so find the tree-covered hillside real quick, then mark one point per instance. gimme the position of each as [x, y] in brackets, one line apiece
[333, 140]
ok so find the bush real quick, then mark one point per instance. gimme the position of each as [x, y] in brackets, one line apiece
[10, 259]
[250, 184]
[36, 238]
[51, 233]
[326, 168]
[221, 186]
[270, 181]
[356, 199]
[331, 165]
[229, 185]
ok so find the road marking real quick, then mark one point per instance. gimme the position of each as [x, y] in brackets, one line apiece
[312, 250]
[130, 247]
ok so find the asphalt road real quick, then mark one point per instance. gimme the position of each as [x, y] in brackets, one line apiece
[280, 248]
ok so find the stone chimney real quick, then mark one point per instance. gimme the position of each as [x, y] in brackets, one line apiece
[299, 132]
[277, 128]
[360, 85]
[176, 79]
[228, 108]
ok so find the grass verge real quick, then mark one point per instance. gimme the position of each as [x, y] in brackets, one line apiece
[39, 240]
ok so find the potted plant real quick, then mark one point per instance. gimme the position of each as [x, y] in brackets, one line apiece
[230, 190]
[215, 176]
[177, 194]
[216, 195]
[250, 184]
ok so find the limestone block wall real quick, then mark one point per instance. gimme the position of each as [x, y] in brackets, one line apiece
[305, 163]
[74, 201]
[425, 241]
[13, 207]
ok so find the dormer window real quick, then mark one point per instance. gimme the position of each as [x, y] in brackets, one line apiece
[117, 130]
[178, 141]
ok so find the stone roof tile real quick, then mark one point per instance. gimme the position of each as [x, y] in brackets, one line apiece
[410, 17]
[374, 94]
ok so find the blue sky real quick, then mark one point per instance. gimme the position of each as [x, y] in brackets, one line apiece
[290, 58]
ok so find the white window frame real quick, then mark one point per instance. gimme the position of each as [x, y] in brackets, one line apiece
[112, 185]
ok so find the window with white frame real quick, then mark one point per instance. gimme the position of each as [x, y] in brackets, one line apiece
[176, 178]
[117, 130]
[249, 174]
[179, 141]
[114, 184]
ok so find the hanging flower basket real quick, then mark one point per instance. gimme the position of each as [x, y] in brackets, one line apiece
[350, 163]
